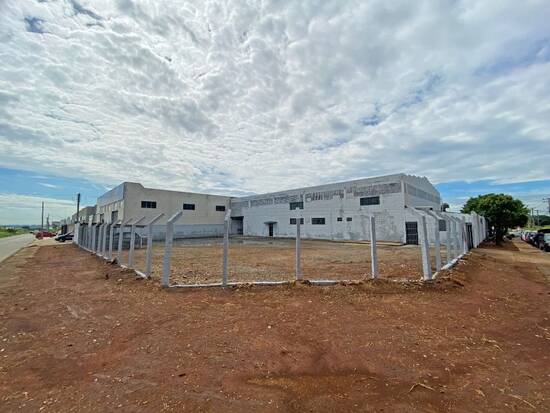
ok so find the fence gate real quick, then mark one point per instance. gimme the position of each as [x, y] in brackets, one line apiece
[411, 228]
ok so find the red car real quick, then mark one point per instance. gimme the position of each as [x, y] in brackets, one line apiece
[44, 234]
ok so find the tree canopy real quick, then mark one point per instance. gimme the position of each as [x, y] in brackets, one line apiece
[501, 211]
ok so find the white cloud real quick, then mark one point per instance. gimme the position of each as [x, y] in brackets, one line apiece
[263, 95]
[27, 209]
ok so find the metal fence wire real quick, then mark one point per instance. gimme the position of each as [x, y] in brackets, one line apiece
[232, 261]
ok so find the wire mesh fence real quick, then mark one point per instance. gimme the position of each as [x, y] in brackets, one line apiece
[194, 262]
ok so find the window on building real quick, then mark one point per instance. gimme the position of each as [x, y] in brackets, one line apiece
[442, 225]
[370, 200]
[189, 207]
[293, 221]
[348, 219]
[149, 204]
[339, 219]
[220, 208]
[317, 221]
[296, 205]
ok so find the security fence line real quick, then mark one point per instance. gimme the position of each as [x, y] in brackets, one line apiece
[98, 238]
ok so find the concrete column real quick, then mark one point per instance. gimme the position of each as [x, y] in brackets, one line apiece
[449, 247]
[111, 238]
[94, 236]
[425, 247]
[298, 263]
[133, 242]
[104, 242]
[168, 248]
[226, 228]
[373, 252]
[437, 245]
[76, 235]
[149, 253]
[120, 239]
[464, 236]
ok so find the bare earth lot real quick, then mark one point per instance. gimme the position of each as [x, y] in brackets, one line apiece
[200, 261]
[77, 334]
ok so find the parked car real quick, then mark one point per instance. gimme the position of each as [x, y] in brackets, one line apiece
[44, 234]
[537, 239]
[545, 244]
[65, 237]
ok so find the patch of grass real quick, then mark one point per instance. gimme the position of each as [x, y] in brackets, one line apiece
[8, 232]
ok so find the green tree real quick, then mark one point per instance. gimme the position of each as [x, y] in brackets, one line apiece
[501, 211]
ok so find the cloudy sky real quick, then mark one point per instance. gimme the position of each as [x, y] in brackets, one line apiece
[238, 97]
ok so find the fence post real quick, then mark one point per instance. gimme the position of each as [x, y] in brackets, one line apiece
[225, 274]
[133, 242]
[437, 240]
[168, 248]
[149, 252]
[76, 235]
[425, 247]
[104, 242]
[99, 238]
[464, 236]
[111, 238]
[92, 247]
[120, 239]
[298, 255]
[449, 242]
[373, 252]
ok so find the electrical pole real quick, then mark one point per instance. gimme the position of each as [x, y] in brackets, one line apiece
[42, 222]
[77, 206]
[48, 223]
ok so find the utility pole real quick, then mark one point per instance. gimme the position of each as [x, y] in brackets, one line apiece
[48, 223]
[42, 222]
[547, 200]
[77, 206]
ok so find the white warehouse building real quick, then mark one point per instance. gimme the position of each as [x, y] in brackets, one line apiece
[204, 214]
[338, 211]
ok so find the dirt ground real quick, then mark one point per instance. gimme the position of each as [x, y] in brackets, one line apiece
[80, 335]
[200, 261]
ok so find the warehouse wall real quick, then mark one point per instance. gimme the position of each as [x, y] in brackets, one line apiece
[329, 202]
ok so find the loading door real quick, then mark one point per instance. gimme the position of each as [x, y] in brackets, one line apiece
[411, 228]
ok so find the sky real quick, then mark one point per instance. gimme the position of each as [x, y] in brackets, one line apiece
[240, 97]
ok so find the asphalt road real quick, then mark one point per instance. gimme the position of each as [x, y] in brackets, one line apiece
[10, 245]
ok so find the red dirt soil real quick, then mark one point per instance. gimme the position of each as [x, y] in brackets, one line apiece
[79, 335]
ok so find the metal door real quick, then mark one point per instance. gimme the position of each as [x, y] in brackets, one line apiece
[411, 228]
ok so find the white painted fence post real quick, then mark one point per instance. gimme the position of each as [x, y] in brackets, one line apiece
[149, 253]
[298, 255]
[425, 247]
[449, 246]
[92, 246]
[133, 242]
[226, 223]
[464, 236]
[104, 242]
[120, 239]
[76, 235]
[168, 248]
[111, 238]
[373, 252]
[437, 241]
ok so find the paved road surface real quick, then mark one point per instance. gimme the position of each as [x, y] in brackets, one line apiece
[10, 245]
